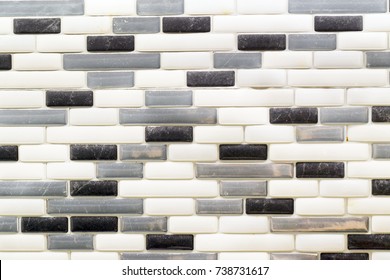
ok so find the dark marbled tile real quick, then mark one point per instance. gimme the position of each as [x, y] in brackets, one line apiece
[94, 188]
[344, 256]
[369, 241]
[110, 43]
[169, 242]
[62, 98]
[70, 242]
[262, 42]
[338, 23]
[167, 98]
[168, 256]
[144, 224]
[8, 224]
[293, 115]
[210, 78]
[8, 153]
[94, 224]
[269, 206]
[37, 25]
[93, 152]
[143, 152]
[33, 188]
[186, 24]
[380, 186]
[5, 62]
[44, 224]
[243, 152]
[320, 170]
[381, 114]
[169, 134]
[243, 188]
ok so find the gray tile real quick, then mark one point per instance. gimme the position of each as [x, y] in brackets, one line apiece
[320, 133]
[337, 6]
[381, 151]
[168, 98]
[39, 188]
[237, 60]
[312, 42]
[95, 206]
[219, 206]
[134, 25]
[293, 256]
[41, 8]
[33, 117]
[344, 115]
[111, 61]
[70, 242]
[144, 224]
[102, 80]
[378, 59]
[8, 224]
[350, 224]
[143, 152]
[160, 7]
[168, 116]
[168, 256]
[244, 170]
[119, 170]
[243, 188]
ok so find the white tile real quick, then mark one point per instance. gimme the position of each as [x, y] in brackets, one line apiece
[111, 8]
[93, 256]
[186, 60]
[369, 206]
[46, 256]
[43, 153]
[194, 224]
[192, 152]
[15, 207]
[320, 242]
[380, 224]
[21, 99]
[380, 256]
[369, 133]
[368, 96]
[362, 41]
[287, 59]
[93, 116]
[205, 7]
[118, 98]
[345, 188]
[119, 242]
[18, 170]
[243, 224]
[269, 134]
[22, 242]
[169, 206]
[218, 134]
[17, 43]
[157, 78]
[252, 7]
[37, 61]
[61, 43]
[292, 188]
[71, 170]
[169, 170]
[86, 25]
[243, 256]
[338, 59]
[6, 25]
[51, 79]
[261, 78]
[319, 97]
[370, 169]
[22, 135]
[376, 22]
[319, 206]
[237, 116]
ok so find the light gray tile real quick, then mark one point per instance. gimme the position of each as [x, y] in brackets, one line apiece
[293, 256]
[143, 152]
[312, 42]
[39, 188]
[33, 117]
[244, 170]
[219, 206]
[168, 98]
[381, 151]
[243, 188]
[160, 7]
[119, 170]
[237, 60]
[134, 25]
[378, 59]
[344, 115]
[337, 6]
[168, 256]
[95, 206]
[111, 61]
[320, 133]
[102, 80]
[350, 224]
[70, 242]
[144, 224]
[41, 8]
[168, 116]
[8, 224]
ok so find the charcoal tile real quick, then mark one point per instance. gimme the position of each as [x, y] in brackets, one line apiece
[8, 153]
[369, 241]
[119, 170]
[94, 224]
[110, 43]
[143, 152]
[312, 42]
[37, 25]
[32, 117]
[210, 78]
[378, 59]
[243, 152]
[338, 23]
[8, 224]
[44, 224]
[381, 114]
[293, 115]
[380, 186]
[237, 60]
[262, 42]
[160, 7]
[70, 242]
[381, 151]
[186, 24]
[344, 115]
[41, 8]
[93, 152]
[62, 98]
[336, 6]
[320, 133]
[243, 188]
[344, 256]
[219, 206]
[293, 256]
[168, 256]
[144, 224]
[5, 62]
[320, 170]
[33, 188]
[103, 80]
[169, 134]
[168, 98]
[269, 206]
[169, 242]
[94, 188]
[135, 25]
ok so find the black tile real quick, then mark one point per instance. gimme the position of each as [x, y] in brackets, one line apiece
[8, 153]
[186, 24]
[110, 43]
[44, 224]
[60, 98]
[169, 134]
[293, 115]
[94, 188]
[269, 206]
[320, 170]
[381, 113]
[369, 241]
[5, 62]
[169, 242]
[338, 23]
[94, 224]
[344, 256]
[93, 152]
[210, 78]
[243, 152]
[262, 42]
[380, 187]
[37, 25]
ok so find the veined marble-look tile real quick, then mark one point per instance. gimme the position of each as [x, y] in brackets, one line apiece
[344, 115]
[94, 188]
[237, 60]
[143, 152]
[168, 256]
[33, 188]
[70, 242]
[160, 7]
[243, 188]
[320, 133]
[33, 117]
[143, 224]
[293, 256]
[8, 224]
[134, 25]
[269, 206]
[336, 6]
[41, 8]
[344, 256]
[119, 170]
[168, 98]
[380, 187]
[219, 206]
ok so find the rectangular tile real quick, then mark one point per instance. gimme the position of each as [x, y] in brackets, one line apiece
[237, 60]
[210, 78]
[143, 152]
[135, 25]
[243, 188]
[380, 114]
[168, 256]
[168, 98]
[243, 152]
[119, 170]
[41, 8]
[186, 24]
[269, 206]
[93, 152]
[338, 23]
[5, 62]
[8, 153]
[61, 98]
[94, 224]
[110, 43]
[8, 224]
[344, 115]
[312, 42]
[102, 80]
[368, 241]
[293, 115]
[378, 59]
[344, 256]
[380, 187]
[293, 256]
[219, 206]
[37, 25]
[381, 151]
[94, 188]
[168, 134]
[160, 7]
[320, 170]
[169, 242]
[144, 224]
[320, 133]
[70, 242]
[262, 42]
[336, 6]
[22, 242]
[44, 224]
[32, 188]
[33, 117]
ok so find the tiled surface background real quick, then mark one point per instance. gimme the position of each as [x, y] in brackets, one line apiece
[194, 129]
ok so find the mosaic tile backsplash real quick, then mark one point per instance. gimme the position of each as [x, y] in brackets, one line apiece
[195, 129]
